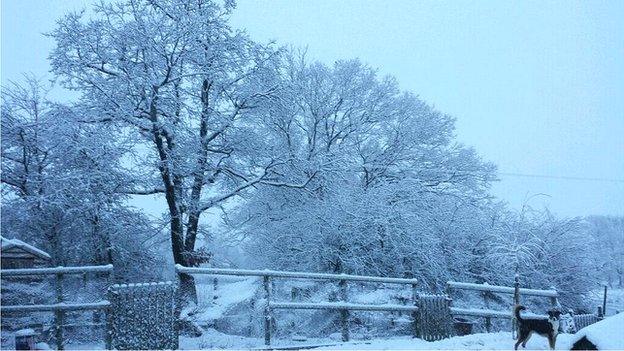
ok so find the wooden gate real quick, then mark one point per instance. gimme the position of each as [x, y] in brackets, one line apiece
[143, 316]
[434, 317]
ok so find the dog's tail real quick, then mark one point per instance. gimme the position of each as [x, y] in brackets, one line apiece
[517, 310]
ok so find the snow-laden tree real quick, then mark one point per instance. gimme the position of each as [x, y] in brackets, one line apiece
[608, 234]
[546, 252]
[60, 184]
[389, 166]
[192, 90]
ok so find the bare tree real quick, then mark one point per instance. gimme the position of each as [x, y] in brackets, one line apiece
[194, 91]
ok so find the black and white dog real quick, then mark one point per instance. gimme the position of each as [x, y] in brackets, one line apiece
[547, 328]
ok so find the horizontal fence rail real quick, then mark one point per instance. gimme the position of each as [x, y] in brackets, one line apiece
[501, 289]
[56, 270]
[492, 313]
[341, 306]
[60, 308]
[66, 307]
[294, 275]
[488, 314]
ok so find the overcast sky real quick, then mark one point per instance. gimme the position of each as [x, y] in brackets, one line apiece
[536, 87]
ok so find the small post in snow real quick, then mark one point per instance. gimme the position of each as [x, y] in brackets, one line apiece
[267, 310]
[600, 312]
[344, 313]
[516, 300]
[415, 313]
[604, 302]
[215, 283]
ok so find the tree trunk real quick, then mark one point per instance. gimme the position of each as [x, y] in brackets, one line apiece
[187, 283]
[198, 179]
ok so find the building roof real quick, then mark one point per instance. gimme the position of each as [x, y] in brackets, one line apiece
[16, 243]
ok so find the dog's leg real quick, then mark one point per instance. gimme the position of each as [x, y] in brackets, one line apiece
[527, 339]
[554, 341]
[522, 336]
[551, 341]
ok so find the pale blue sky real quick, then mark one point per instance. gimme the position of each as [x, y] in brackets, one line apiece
[536, 86]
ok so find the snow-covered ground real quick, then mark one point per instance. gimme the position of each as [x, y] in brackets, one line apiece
[484, 341]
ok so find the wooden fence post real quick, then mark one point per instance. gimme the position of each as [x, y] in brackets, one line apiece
[516, 300]
[344, 313]
[488, 320]
[215, 284]
[58, 314]
[450, 305]
[553, 299]
[604, 302]
[108, 333]
[108, 337]
[415, 313]
[267, 310]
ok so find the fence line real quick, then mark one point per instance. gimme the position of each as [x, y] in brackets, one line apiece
[69, 307]
[340, 306]
[501, 289]
[56, 270]
[60, 308]
[295, 275]
[343, 306]
[516, 291]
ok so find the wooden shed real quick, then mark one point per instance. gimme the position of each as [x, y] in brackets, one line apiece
[15, 253]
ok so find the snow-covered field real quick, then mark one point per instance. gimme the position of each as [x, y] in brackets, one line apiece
[233, 292]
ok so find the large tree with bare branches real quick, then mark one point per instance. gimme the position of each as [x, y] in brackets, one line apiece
[194, 91]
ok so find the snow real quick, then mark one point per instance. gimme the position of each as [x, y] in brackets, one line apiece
[296, 275]
[57, 307]
[228, 295]
[9, 243]
[56, 270]
[480, 312]
[501, 289]
[606, 334]
[342, 306]
[485, 341]
[26, 332]
[141, 285]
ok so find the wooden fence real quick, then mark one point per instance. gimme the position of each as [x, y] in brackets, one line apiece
[60, 307]
[488, 314]
[344, 307]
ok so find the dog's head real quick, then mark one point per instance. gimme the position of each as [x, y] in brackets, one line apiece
[554, 314]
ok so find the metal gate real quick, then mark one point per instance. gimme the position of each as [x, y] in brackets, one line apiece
[143, 316]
